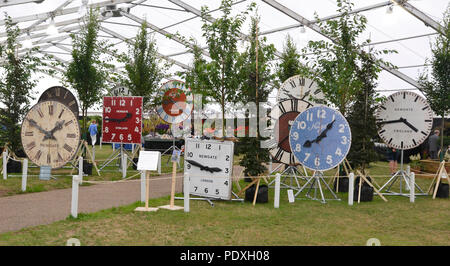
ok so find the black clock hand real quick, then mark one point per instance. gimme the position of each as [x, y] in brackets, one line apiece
[409, 124]
[204, 168]
[306, 94]
[118, 120]
[390, 121]
[58, 126]
[322, 135]
[34, 124]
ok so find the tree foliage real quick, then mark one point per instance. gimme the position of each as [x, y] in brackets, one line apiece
[437, 86]
[257, 75]
[218, 79]
[334, 65]
[88, 73]
[289, 64]
[16, 85]
[143, 67]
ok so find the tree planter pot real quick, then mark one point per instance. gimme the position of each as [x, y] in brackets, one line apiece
[263, 194]
[343, 184]
[366, 190]
[442, 191]
[14, 167]
[87, 167]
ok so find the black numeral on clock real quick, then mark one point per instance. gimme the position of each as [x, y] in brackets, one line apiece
[67, 148]
[208, 146]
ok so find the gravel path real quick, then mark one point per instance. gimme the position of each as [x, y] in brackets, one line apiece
[19, 211]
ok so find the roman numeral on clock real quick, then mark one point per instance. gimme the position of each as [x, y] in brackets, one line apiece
[38, 110]
[414, 141]
[279, 154]
[67, 148]
[50, 109]
[49, 159]
[31, 145]
[60, 114]
[294, 104]
[29, 133]
[282, 109]
[71, 135]
[292, 83]
[38, 155]
[60, 158]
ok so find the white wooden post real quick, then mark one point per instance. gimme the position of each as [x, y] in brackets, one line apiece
[5, 162]
[143, 183]
[76, 181]
[408, 173]
[124, 165]
[159, 163]
[24, 174]
[80, 169]
[276, 200]
[186, 192]
[93, 152]
[351, 185]
[270, 165]
[412, 181]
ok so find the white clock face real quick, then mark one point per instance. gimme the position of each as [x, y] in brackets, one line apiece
[302, 88]
[405, 120]
[50, 134]
[177, 102]
[210, 166]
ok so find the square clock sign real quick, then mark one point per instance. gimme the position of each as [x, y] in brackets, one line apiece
[122, 119]
[210, 166]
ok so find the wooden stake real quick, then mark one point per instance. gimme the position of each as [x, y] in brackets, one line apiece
[147, 188]
[256, 191]
[174, 174]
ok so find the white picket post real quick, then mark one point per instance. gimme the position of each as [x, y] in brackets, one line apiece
[276, 201]
[124, 165]
[270, 165]
[80, 169]
[74, 205]
[24, 174]
[351, 185]
[5, 162]
[412, 181]
[143, 186]
[408, 173]
[186, 192]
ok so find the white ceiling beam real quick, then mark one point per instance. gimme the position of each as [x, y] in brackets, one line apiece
[4, 3]
[161, 31]
[50, 15]
[304, 21]
[419, 15]
[63, 11]
[123, 38]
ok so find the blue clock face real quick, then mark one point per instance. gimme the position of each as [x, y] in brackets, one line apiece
[320, 138]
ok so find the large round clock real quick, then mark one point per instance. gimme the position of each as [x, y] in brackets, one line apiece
[320, 138]
[50, 134]
[282, 117]
[176, 102]
[60, 94]
[299, 87]
[405, 120]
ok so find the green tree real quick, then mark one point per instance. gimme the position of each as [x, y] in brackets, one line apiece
[143, 67]
[88, 72]
[437, 87]
[289, 64]
[336, 63]
[362, 117]
[218, 79]
[257, 75]
[16, 85]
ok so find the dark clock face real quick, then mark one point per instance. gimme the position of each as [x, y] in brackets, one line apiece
[286, 111]
[50, 134]
[62, 95]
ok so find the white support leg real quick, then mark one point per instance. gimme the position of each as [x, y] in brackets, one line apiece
[412, 180]
[80, 169]
[24, 174]
[143, 184]
[186, 192]
[5, 162]
[276, 200]
[124, 165]
[351, 185]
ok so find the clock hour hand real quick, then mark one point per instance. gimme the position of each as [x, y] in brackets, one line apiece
[409, 124]
[118, 120]
[204, 168]
[390, 121]
[322, 135]
[58, 126]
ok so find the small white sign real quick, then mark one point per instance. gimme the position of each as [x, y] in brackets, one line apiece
[291, 195]
[149, 160]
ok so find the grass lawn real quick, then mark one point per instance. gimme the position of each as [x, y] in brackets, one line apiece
[12, 185]
[305, 222]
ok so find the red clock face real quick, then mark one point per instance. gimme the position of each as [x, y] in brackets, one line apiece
[122, 119]
[174, 102]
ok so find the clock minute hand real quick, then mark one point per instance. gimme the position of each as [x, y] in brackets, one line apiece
[390, 121]
[34, 124]
[322, 135]
[204, 168]
[58, 126]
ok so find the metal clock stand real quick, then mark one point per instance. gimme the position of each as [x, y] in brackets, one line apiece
[119, 154]
[291, 171]
[399, 175]
[170, 151]
[314, 183]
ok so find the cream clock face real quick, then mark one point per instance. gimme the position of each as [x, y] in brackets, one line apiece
[50, 134]
[299, 87]
[405, 120]
[209, 164]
